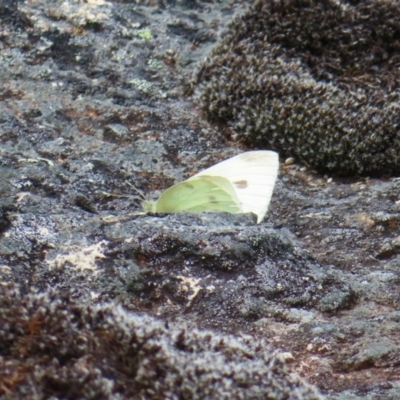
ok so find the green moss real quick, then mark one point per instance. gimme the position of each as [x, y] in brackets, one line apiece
[142, 84]
[145, 34]
[155, 64]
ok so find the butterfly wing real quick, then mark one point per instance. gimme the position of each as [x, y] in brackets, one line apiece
[205, 193]
[252, 175]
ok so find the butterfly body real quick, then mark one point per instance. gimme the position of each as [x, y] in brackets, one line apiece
[241, 184]
[205, 193]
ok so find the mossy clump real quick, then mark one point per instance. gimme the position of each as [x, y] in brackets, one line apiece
[318, 80]
[54, 347]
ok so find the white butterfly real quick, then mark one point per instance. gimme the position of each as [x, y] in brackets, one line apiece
[241, 184]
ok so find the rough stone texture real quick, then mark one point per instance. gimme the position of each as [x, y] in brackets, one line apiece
[317, 80]
[218, 268]
[92, 102]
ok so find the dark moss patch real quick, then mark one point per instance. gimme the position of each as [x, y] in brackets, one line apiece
[52, 346]
[314, 80]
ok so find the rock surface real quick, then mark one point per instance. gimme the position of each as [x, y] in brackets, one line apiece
[95, 100]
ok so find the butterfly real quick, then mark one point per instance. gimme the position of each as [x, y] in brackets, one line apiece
[240, 184]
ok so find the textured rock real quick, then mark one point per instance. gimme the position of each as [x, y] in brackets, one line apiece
[214, 268]
[91, 101]
[315, 80]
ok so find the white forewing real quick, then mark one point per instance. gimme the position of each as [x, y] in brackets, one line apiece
[253, 175]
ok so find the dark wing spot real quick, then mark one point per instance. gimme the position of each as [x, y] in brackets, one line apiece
[212, 199]
[188, 185]
[241, 184]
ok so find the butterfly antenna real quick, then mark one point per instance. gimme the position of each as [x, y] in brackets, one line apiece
[138, 191]
[139, 198]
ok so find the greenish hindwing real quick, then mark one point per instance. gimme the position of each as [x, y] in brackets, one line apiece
[197, 194]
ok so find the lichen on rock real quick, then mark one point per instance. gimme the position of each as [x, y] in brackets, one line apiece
[314, 80]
